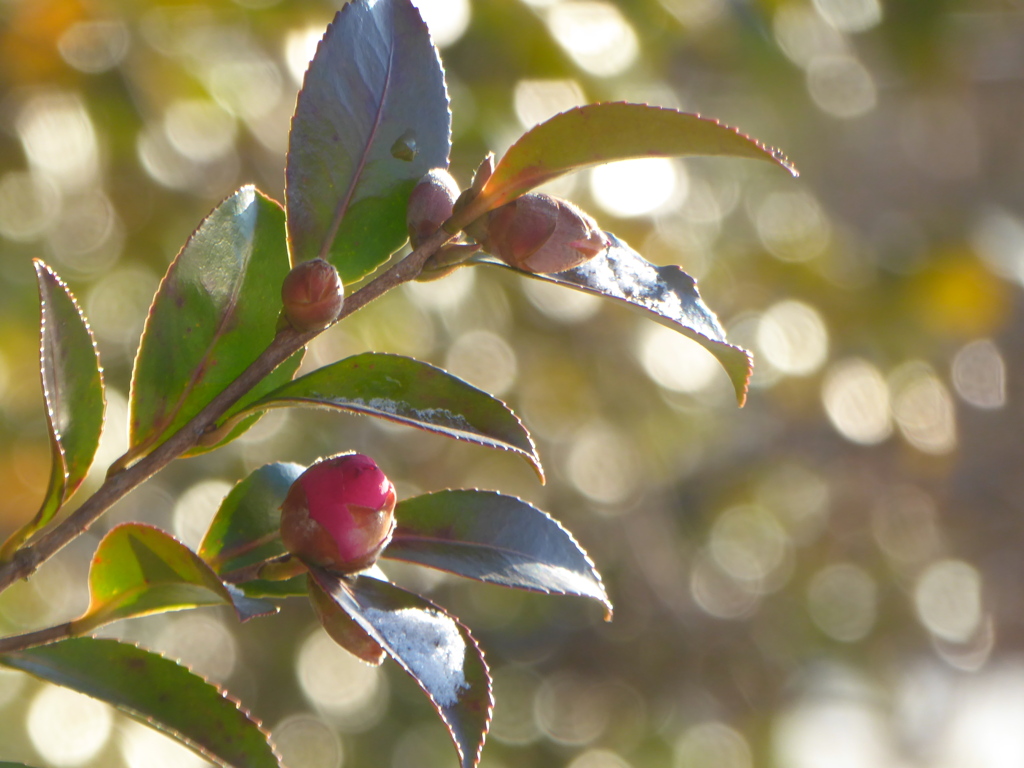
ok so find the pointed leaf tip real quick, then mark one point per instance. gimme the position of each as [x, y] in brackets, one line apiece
[497, 539]
[433, 647]
[72, 381]
[604, 132]
[372, 117]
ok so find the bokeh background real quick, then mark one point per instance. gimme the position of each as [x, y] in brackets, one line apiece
[831, 576]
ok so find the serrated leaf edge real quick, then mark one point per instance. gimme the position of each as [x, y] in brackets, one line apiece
[606, 602]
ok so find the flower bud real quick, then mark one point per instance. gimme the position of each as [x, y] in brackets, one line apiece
[430, 204]
[540, 233]
[339, 513]
[312, 295]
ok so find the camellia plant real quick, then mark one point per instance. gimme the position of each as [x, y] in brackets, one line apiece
[256, 282]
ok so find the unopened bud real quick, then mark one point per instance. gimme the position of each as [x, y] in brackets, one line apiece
[540, 233]
[430, 204]
[339, 513]
[312, 295]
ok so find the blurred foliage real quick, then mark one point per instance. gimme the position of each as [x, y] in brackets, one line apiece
[830, 574]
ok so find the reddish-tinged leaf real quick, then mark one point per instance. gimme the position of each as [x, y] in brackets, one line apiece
[600, 133]
[494, 538]
[436, 650]
[667, 293]
[408, 391]
[73, 392]
[372, 117]
[216, 310]
[139, 570]
[155, 691]
[341, 627]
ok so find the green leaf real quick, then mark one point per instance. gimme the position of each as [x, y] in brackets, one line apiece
[435, 649]
[341, 627]
[246, 528]
[667, 293]
[216, 310]
[410, 392]
[494, 538]
[139, 570]
[73, 391]
[372, 117]
[155, 691]
[600, 133]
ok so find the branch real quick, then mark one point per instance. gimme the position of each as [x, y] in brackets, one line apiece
[287, 342]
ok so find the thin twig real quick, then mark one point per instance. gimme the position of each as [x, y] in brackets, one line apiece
[285, 344]
[33, 639]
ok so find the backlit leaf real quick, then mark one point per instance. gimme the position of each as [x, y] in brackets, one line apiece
[216, 310]
[435, 649]
[139, 570]
[73, 392]
[494, 538]
[410, 392]
[155, 691]
[600, 133]
[667, 293]
[372, 117]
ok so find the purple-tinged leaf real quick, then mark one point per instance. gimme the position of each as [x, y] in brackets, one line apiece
[341, 627]
[410, 392]
[155, 691]
[600, 133]
[372, 117]
[73, 392]
[435, 649]
[667, 293]
[139, 570]
[216, 310]
[494, 538]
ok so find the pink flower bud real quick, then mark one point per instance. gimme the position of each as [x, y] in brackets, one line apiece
[540, 233]
[312, 295]
[430, 204]
[339, 513]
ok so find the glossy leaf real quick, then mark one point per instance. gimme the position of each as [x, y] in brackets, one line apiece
[494, 538]
[410, 392]
[73, 392]
[216, 310]
[155, 691]
[246, 528]
[341, 627]
[667, 293]
[372, 117]
[139, 570]
[600, 133]
[436, 650]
